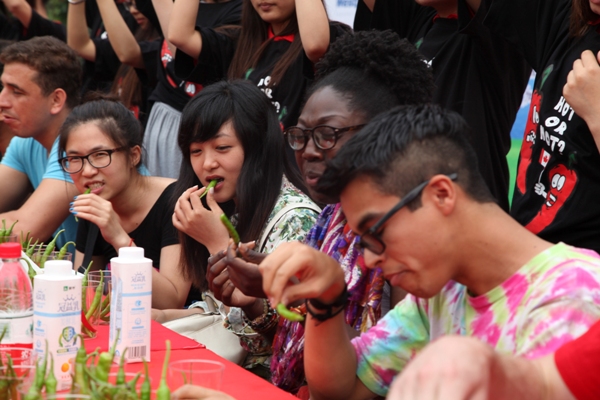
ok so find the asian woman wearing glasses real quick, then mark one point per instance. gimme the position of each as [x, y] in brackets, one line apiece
[101, 146]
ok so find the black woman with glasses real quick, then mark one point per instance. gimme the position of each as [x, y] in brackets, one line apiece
[101, 146]
[390, 72]
[409, 184]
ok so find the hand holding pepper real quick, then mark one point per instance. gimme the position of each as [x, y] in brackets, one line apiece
[319, 276]
[203, 225]
[100, 212]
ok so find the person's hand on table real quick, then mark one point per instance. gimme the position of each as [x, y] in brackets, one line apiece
[191, 392]
[319, 276]
[451, 367]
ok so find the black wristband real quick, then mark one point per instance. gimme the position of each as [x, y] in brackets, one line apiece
[339, 303]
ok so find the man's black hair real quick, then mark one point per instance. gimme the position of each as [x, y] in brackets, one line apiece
[404, 147]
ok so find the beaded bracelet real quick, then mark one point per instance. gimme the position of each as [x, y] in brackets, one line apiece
[339, 303]
[265, 322]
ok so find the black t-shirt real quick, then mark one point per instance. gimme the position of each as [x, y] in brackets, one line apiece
[478, 75]
[558, 177]
[99, 74]
[155, 232]
[159, 62]
[12, 29]
[217, 54]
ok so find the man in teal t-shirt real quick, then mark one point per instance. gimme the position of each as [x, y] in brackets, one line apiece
[41, 83]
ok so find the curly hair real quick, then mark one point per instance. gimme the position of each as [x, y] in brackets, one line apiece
[375, 70]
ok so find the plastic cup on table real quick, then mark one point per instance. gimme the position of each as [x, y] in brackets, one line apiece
[18, 355]
[205, 373]
[89, 292]
[54, 255]
[12, 238]
[94, 276]
[11, 380]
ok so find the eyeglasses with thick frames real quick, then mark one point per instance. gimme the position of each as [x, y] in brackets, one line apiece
[97, 159]
[371, 239]
[325, 137]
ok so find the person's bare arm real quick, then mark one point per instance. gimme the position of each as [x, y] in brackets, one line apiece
[474, 4]
[163, 316]
[169, 287]
[14, 194]
[313, 25]
[78, 37]
[182, 31]
[370, 4]
[21, 10]
[120, 37]
[44, 210]
[319, 277]
[582, 91]
[469, 369]
[164, 9]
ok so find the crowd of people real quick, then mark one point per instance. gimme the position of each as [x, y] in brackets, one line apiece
[364, 169]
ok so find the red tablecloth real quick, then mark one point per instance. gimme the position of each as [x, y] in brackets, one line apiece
[237, 382]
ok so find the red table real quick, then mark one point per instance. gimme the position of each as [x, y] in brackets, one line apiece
[237, 382]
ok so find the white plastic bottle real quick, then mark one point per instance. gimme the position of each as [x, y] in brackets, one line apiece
[57, 317]
[16, 312]
[131, 303]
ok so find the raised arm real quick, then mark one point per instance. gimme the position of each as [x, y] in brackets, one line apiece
[21, 10]
[78, 37]
[164, 9]
[120, 37]
[313, 25]
[182, 31]
[473, 4]
[582, 91]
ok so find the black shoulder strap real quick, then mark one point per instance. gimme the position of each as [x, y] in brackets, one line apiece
[89, 247]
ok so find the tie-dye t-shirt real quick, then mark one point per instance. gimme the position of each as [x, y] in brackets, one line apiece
[551, 300]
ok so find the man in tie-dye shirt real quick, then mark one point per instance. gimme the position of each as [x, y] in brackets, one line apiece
[408, 184]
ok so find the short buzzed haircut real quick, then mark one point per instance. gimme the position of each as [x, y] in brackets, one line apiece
[404, 147]
[56, 64]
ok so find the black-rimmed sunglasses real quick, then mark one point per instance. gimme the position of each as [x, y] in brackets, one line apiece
[325, 137]
[371, 240]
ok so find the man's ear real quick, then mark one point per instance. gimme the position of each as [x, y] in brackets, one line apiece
[58, 101]
[442, 192]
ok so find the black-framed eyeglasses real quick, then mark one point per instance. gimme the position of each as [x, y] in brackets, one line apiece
[324, 136]
[371, 239]
[97, 159]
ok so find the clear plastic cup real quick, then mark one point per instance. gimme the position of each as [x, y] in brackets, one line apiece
[206, 373]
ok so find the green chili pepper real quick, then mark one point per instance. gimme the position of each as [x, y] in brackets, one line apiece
[31, 249]
[84, 283]
[105, 361]
[288, 314]
[232, 232]
[63, 250]
[6, 232]
[146, 389]
[97, 298]
[132, 384]
[163, 392]
[79, 378]
[87, 191]
[211, 185]
[38, 383]
[121, 372]
[51, 381]
[49, 249]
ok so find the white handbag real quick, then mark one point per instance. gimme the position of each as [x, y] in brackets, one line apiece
[207, 328]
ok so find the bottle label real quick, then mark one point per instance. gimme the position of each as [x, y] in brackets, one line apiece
[19, 329]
